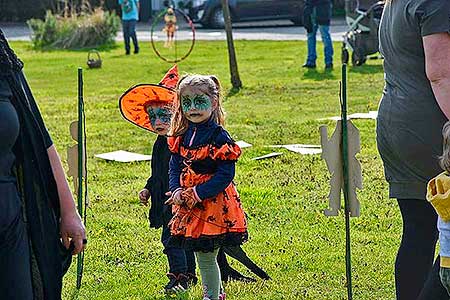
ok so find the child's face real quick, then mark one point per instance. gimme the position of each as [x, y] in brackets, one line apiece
[159, 116]
[197, 106]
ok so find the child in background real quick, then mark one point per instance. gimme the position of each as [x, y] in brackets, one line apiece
[207, 209]
[150, 107]
[438, 193]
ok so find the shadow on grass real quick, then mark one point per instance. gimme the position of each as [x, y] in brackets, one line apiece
[102, 48]
[316, 75]
[233, 91]
[367, 69]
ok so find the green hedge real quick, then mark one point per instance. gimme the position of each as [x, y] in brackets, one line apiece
[94, 29]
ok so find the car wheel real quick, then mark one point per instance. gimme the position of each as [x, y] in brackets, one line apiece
[358, 57]
[216, 19]
[344, 56]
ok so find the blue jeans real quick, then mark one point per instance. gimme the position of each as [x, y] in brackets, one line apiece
[129, 30]
[180, 260]
[327, 43]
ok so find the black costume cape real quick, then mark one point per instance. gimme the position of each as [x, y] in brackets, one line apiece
[158, 184]
[36, 184]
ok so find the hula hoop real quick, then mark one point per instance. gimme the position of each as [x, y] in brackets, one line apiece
[190, 23]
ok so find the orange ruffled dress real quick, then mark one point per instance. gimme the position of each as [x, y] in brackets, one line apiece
[215, 221]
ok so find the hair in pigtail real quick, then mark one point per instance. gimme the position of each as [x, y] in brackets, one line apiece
[218, 113]
[444, 159]
[210, 85]
[178, 123]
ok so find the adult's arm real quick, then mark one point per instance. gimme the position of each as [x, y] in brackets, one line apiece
[437, 68]
[71, 226]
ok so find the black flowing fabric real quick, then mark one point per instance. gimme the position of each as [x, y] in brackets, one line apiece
[158, 184]
[37, 186]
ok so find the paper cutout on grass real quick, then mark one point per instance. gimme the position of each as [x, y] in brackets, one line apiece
[243, 144]
[72, 157]
[270, 155]
[301, 148]
[371, 115]
[124, 156]
[332, 154]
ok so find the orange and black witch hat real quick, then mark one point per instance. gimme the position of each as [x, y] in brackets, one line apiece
[134, 102]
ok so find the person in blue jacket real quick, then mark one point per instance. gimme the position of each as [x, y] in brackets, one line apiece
[130, 15]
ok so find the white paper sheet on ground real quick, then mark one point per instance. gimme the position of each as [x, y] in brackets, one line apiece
[273, 154]
[370, 115]
[332, 154]
[243, 144]
[123, 156]
[301, 148]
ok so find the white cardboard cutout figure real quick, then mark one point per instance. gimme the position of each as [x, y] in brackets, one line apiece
[332, 154]
[72, 157]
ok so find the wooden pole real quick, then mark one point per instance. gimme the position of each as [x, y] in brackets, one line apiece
[235, 80]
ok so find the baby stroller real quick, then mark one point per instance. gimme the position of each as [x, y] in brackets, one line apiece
[363, 18]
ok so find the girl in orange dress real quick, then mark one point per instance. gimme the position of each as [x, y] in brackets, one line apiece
[207, 209]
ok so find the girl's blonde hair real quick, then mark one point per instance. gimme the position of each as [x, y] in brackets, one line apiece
[207, 84]
[444, 159]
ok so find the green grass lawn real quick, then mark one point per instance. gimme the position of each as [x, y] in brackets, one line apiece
[301, 249]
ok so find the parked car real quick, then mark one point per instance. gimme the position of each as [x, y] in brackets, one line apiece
[209, 12]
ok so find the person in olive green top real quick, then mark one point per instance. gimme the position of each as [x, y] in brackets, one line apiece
[438, 193]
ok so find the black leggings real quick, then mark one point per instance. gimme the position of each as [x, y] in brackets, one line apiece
[415, 276]
[15, 270]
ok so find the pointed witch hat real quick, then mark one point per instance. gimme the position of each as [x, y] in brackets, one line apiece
[134, 102]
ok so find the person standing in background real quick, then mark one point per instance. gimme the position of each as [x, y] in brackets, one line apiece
[317, 16]
[130, 15]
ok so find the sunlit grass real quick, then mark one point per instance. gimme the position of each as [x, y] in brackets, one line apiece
[301, 249]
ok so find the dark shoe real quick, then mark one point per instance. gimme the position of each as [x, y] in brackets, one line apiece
[183, 283]
[171, 286]
[309, 66]
[192, 279]
[127, 52]
[329, 67]
[136, 51]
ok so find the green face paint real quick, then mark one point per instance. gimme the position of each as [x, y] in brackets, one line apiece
[198, 102]
[161, 114]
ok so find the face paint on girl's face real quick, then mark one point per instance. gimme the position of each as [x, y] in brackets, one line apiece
[196, 105]
[198, 102]
[159, 118]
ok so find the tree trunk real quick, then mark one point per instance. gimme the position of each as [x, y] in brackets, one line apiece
[235, 80]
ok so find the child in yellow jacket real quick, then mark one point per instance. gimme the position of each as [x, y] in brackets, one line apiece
[438, 194]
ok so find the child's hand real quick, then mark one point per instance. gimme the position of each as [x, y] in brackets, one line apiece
[190, 198]
[144, 195]
[175, 198]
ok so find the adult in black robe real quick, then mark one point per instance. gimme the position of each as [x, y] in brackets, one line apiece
[38, 217]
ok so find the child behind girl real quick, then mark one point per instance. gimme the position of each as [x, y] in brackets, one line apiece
[438, 193]
[150, 107]
[207, 209]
